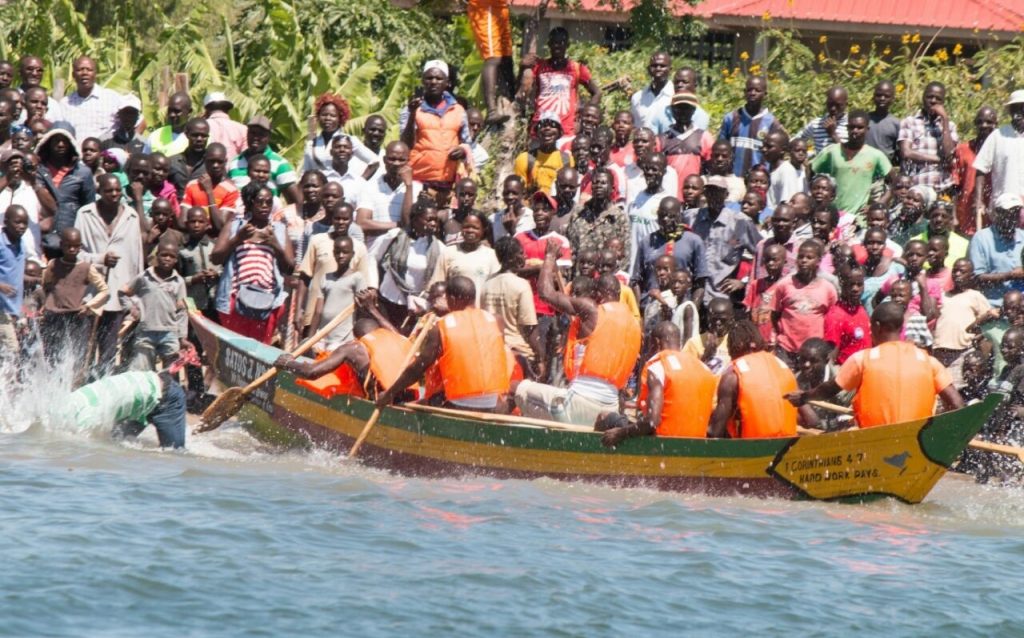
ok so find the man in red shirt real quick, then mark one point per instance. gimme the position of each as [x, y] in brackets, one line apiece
[558, 80]
[534, 243]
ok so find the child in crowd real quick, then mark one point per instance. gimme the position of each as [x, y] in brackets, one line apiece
[758, 181]
[587, 262]
[801, 204]
[964, 308]
[753, 207]
[993, 328]
[158, 185]
[68, 313]
[798, 158]
[814, 366]
[876, 217]
[337, 292]
[760, 295]
[847, 325]
[658, 307]
[516, 216]
[201, 276]
[801, 302]
[685, 316]
[976, 371]
[692, 192]
[156, 299]
[940, 277]
[609, 260]
[162, 231]
[915, 326]
[924, 299]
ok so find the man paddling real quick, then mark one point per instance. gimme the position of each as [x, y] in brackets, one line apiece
[378, 350]
[896, 381]
[750, 403]
[677, 393]
[469, 349]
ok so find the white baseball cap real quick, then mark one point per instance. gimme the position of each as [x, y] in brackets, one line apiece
[216, 96]
[1017, 97]
[1008, 201]
[130, 101]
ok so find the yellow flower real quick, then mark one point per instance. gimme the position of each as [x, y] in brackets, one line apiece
[735, 70]
[744, 56]
[958, 49]
[823, 39]
[821, 57]
[855, 49]
[886, 51]
[754, 69]
[766, 16]
[942, 55]
[899, 88]
[977, 86]
[856, 73]
[725, 72]
[906, 38]
[916, 38]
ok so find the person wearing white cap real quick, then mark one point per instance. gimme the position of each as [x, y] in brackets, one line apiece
[995, 250]
[90, 108]
[223, 129]
[434, 125]
[125, 135]
[1000, 162]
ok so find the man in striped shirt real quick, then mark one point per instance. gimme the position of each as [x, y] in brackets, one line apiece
[283, 179]
[831, 127]
[746, 128]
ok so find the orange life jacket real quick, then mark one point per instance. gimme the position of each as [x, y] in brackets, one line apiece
[435, 138]
[763, 380]
[473, 360]
[897, 385]
[387, 351]
[343, 380]
[689, 391]
[611, 349]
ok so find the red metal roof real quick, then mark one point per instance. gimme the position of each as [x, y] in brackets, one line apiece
[984, 15]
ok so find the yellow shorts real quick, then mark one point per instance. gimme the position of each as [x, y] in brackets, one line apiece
[491, 27]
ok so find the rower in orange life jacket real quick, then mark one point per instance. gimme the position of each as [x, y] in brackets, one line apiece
[677, 394]
[434, 130]
[896, 381]
[469, 350]
[750, 392]
[600, 355]
[377, 350]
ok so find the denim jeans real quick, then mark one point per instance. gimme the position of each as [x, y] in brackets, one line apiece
[168, 417]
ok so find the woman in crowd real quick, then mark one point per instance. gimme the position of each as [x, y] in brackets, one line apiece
[332, 112]
[256, 254]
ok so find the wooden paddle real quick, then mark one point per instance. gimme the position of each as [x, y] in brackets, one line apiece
[977, 444]
[413, 351]
[231, 400]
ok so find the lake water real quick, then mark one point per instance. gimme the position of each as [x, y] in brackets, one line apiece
[107, 539]
[100, 538]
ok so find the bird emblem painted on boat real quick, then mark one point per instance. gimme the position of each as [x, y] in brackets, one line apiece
[898, 460]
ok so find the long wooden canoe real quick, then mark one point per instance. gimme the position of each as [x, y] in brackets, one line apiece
[902, 461]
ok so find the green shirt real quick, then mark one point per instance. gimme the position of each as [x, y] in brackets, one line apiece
[854, 177]
[994, 331]
[282, 175]
[122, 397]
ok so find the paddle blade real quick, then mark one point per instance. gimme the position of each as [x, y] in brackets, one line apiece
[223, 408]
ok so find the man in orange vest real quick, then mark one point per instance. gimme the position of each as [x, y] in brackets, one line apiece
[750, 392]
[435, 126]
[377, 350]
[469, 349]
[895, 381]
[603, 345]
[677, 394]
